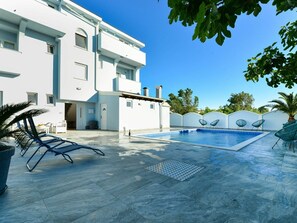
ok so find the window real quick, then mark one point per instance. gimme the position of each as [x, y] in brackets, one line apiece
[81, 39]
[125, 72]
[50, 99]
[32, 97]
[50, 48]
[152, 106]
[129, 103]
[9, 45]
[81, 71]
[51, 6]
[1, 98]
[8, 40]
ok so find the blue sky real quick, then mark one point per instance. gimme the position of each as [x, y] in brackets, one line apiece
[175, 61]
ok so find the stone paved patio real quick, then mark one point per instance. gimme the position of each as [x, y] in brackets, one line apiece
[255, 184]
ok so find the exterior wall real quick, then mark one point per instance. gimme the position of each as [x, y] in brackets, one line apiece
[176, 120]
[211, 116]
[273, 120]
[140, 115]
[85, 112]
[71, 87]
[113, 109]
[248, 116]
[34, 77]
[191, 119]
[106, 72]
[54, 114]
[33, 25]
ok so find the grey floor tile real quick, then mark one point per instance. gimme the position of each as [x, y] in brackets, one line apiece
[77, 202]
[33, 212]
[255, 184]
[113, 213]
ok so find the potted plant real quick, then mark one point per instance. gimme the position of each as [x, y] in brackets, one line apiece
[10, 114]
[287, 104]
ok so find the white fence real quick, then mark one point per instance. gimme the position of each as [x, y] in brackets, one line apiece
[273, 120]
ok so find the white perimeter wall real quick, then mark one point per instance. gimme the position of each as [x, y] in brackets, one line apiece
[249, 117]
[165, 115]
[273, 120]
[176, 120]
[191, 119]
[211, 116]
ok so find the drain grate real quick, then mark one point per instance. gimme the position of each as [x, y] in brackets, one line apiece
[175, 169]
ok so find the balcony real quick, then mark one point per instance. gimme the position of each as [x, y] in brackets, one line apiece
[16, 11]
[114, 47]
[126, 85]
[10, 65]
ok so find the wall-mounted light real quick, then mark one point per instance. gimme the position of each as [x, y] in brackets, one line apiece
[78, 88]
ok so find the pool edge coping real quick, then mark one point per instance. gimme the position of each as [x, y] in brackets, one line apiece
[235, 148]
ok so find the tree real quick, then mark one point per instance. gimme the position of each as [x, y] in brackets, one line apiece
[237, 102]
[216, 17]
[281, 67]
[262, 110]
[10, 114]
[206, 110]
[183, 102]
[287, 103]
[241, 101]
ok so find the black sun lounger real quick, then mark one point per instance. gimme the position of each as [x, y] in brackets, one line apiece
[58, 148]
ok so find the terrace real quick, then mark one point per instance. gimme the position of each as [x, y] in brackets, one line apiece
[255, 184]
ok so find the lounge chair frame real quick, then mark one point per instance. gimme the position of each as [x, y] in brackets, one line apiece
[28, 135]
[288, 134]
[214, 123]
[257, 124]
[241, 123]
[202, 122]
[62, 147]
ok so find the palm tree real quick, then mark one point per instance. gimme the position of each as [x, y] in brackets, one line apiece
[287, 103]
[10, 115]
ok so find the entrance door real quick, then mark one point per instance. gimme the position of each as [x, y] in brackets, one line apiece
[103, 116]
[70, 115]
[80, 116]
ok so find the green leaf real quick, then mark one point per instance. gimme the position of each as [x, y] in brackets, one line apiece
[220, 39]
[257, 10]
[201, 13]
[227, 33]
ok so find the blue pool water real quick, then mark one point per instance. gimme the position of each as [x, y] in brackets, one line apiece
[210, 137]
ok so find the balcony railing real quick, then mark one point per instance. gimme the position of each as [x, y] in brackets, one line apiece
[114, 46]
[126, 85]
[10, 63]
[13, 9]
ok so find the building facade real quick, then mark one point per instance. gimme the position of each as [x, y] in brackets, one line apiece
[64, 58]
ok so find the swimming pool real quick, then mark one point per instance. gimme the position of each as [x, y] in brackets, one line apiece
[222, 139]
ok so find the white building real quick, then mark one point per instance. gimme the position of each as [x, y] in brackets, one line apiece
[66, 59]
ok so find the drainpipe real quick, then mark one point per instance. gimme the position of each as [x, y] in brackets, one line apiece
[60, 5]
[58, 69]
[160, 114]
